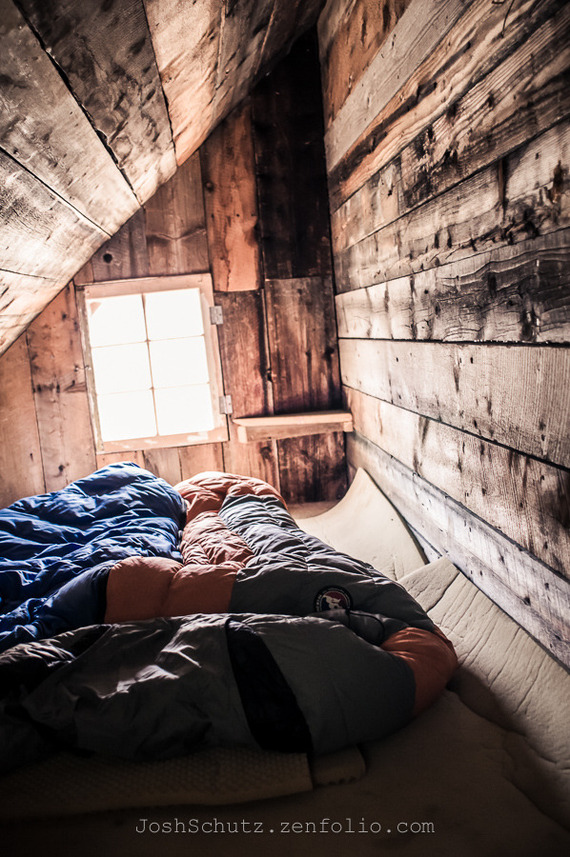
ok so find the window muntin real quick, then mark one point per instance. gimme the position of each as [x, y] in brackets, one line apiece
[152, 362]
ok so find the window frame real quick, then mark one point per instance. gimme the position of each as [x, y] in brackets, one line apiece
[146, 285]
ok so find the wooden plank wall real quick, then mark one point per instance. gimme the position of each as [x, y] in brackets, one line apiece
[251, 206]
[447, 140]
[84, 137]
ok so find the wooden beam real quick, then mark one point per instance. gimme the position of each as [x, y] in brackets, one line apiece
[289, 20]
[40, 234]
[511, 395]
[43, 127]
[106, 54]
[185, 37]
[517, 293]
[523, 498]
[251, 429]
[526, 589]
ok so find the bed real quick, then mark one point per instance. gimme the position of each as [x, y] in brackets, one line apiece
[482, 765]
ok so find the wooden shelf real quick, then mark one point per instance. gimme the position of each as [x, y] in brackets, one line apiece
[291, 425]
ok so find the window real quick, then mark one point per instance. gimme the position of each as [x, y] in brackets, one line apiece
[152, 362]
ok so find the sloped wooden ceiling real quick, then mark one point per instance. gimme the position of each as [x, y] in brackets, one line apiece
[99, 102]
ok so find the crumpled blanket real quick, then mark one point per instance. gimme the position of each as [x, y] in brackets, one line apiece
[254, 633]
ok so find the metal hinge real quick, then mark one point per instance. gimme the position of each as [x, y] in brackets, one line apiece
[216, 315]
[226, 405]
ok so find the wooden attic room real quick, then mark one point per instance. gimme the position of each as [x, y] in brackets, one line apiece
[356, 215]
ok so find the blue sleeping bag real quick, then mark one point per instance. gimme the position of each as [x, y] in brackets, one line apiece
[49, 539]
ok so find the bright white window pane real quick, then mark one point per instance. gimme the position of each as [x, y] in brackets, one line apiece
[116, 320]
[176, 362]
[173, 314]
[127, 415]
[184, 410]
[119, 368]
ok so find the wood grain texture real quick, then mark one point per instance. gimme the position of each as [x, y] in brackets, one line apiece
[124, 256]
[228, 171]
[60, 393]
[21, 473]
[105, 458]
[21, 299]
[302, 342]
[526, 499]
[243, 350]
[526, 589]
[312, 468]
[521, 97]
[44, 128]
[350, 35]
[291, 425]
[439, 88]
[415, 36]
[517, 293]
[199, 458]
[40, 234]
[173, 464]
[105, 51]
[508, 394]
[524, 195]
[185, 37]
[176, 224]
[291, 176]
[244, 24]
[289, 20]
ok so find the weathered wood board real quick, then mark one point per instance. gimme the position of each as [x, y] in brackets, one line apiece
[243, 350]
[175, 224]
[414, 37]
[526, 499]
[105, 51]
[230, 194]
[291, 177]
[525, 94]
[124, 256]
[243, 27]
[44, 128]
[289, 20]
[21, 471]
[480, 41]
[513, 395]
[62, 408]
[530, 592]
[312, 468]
[21, 299]
[525, 195]
[41, 235]
[517, 293]
[185, 38]
[350, 35]
[302, 342]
